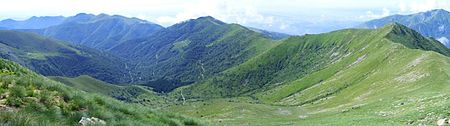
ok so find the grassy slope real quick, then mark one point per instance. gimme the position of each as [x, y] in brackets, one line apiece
[52, 57]
[127, 93]
[31, 99]
[378, 81]
[293, 59]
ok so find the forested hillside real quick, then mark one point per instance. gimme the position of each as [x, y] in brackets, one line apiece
[51, 57]
[192, 50]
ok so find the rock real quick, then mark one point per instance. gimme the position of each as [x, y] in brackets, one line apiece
[4, 108]
[302, 116]
[84, 121]
[441, 122]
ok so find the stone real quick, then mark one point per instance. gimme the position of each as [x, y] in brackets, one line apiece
[441, 122]
[84, 121]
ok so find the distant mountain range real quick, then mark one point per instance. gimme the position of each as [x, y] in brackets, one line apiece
[434, 23]
[32, 23]
[99, 31]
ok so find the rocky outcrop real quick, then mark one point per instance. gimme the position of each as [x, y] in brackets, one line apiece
[91, 121]
[442, 122]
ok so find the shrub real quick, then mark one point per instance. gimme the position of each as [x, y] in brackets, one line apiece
[14, 101]
[18, 91]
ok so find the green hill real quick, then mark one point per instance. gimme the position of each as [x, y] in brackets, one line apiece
[52, 57]
[190, 51]
[346, 77]
[31, 99]
[297, 57]
[127, 93]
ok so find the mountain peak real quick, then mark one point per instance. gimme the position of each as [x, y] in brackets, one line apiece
[207, 17]
[204, 21]
[410, 38]
[395, 26]
[439, 11]
[434, 12]
[82, 15]
[210, 19]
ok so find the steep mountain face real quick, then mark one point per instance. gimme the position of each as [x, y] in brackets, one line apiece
[99, 31]
[32, 23]
[299, 57]
[29, 99]
[191, 51]
[433, 23]
[56, 58]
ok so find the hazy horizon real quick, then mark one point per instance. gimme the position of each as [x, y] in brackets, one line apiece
[293, 17]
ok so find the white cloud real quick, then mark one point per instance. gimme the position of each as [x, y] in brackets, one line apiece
[441, 28]
[283, 26]
[370, 15]
[414, 6]
[444, 41]
[241, 12]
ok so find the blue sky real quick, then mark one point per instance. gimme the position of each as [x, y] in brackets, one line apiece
[289, 16]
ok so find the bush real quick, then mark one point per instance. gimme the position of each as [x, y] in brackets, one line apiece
[18, 91]
[14, 119]
[14, 101]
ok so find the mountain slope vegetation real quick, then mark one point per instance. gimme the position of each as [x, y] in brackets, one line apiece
[31, 99]
[300, 56]
[224, 73]
[191, 51]
[52, 57]
[127, 93]
[367, 77]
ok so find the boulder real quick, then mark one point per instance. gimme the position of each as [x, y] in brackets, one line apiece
[84, 121]
[441, 122]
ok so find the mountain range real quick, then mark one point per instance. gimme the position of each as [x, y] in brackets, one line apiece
[352, 76]
[99, 31]
[193, 50]
[128, 71]
[32, 23]
[434, 23]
